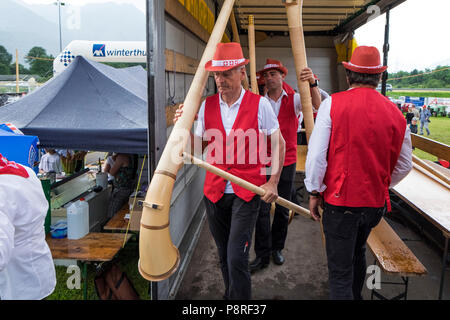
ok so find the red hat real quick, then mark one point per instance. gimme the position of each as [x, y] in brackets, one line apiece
[365, 60]
[274, 64]
[260, 79]
[227, 56]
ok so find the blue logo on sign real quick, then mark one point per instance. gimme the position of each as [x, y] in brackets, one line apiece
[98, 50]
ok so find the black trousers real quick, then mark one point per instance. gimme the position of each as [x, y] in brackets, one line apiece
[231, 221]
[346, 231]
[268, 239]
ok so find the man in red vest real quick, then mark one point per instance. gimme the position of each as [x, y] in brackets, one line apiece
[360, 146]
[287, 106]
[231, 123]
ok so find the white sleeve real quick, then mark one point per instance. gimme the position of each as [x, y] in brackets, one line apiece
[404, 162]
[267, 120]
[316, 160]
[200, 123]
[297, 104]
[6, 239]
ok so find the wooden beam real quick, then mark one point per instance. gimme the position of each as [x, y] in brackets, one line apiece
[283, 22]
[285, 28]
[306, 17]
[177, 11]
[279, 10]
[307, 3]
[183, 64]
[438, 149]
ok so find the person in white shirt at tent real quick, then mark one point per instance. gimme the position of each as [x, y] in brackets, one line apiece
[27, 271]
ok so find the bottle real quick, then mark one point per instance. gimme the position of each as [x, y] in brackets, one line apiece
[78, 219]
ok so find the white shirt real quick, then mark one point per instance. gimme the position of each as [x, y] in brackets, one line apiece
[51, 163]
[316, 160]
[27, 271]
[267, 120]
[276, 105]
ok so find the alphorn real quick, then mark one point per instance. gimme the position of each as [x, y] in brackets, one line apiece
[295, 23]
[294, 17]
[244, 184]
[158, 257]
[429, 168]
[252, 53]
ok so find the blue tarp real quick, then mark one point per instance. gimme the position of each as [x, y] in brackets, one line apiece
[89, 106]
[20, 148]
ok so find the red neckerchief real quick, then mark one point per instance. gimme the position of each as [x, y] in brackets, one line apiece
[10, 167]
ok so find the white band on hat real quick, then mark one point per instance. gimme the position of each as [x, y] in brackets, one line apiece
[226, 63]
[267, 66]
[364, 67]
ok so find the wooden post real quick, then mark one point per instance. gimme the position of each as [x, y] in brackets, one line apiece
[17, 71]
[252, 54]
[238, 40]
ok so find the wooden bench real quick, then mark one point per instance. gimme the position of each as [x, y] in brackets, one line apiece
[394, 257]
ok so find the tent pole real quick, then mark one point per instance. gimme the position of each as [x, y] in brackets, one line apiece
[385, 52]
[156, 92]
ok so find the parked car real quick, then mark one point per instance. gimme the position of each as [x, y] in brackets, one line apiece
[388, 87]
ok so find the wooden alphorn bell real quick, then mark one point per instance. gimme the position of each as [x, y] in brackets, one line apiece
[159, 258]
[244, 184]
[252, 53]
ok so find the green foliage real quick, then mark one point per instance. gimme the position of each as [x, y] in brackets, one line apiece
[5, 57]
[43, 68]
[439, 79]
[4, 69]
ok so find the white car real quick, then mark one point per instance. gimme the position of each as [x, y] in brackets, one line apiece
[388, 87]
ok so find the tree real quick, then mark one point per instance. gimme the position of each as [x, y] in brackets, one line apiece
[5, 60]
[5, 57]
[43, 66]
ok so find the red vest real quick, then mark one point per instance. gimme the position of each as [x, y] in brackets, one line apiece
[366, 138]
[288, 122]
[240, 157]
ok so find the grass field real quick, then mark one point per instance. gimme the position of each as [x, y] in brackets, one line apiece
[439, 131]
[425, 94]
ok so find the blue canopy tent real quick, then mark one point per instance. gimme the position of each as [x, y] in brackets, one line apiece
[89, 106]
[20, 148]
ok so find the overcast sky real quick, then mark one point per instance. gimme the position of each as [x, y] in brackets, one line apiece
[419, 32]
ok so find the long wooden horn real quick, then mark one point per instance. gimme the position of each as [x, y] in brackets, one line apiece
[295, 22]
[244, 184]
[252, 53]
[159, 258]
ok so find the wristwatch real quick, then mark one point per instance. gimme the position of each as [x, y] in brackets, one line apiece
[315, 84]
[314, 194]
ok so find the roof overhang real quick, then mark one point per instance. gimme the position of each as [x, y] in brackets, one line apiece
[320, 17]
